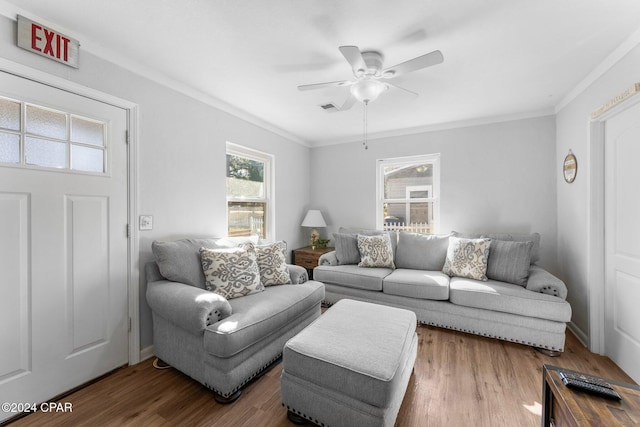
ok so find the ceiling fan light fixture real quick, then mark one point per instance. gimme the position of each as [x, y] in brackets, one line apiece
[367, 89]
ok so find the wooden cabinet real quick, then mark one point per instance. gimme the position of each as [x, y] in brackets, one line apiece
[563, 406]
[308, 258]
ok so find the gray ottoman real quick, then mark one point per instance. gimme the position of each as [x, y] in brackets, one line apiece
[351, 366]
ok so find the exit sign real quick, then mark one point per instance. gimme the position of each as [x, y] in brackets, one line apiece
[47, 42]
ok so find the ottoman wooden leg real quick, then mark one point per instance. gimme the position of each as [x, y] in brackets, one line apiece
[295, 418]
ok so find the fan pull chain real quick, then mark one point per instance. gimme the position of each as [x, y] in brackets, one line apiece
[364, 143]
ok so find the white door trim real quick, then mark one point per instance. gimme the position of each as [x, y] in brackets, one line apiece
[595, 221]
[133, 267]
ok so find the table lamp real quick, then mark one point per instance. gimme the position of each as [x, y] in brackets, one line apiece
[314, 219]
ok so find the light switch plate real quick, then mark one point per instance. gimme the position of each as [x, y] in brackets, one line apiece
[146, 222]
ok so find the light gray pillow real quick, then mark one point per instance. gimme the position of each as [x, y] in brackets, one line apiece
[179, 261]
[421, 251]
[509, 261]
[346, 248]
[511, 237]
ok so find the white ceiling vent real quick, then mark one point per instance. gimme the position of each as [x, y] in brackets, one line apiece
[329, 108]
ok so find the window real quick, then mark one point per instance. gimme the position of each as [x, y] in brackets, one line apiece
[409, 193]
[249, 192]
[35, 136]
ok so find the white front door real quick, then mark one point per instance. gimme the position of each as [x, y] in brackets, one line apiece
[63, 242]
[622, 240]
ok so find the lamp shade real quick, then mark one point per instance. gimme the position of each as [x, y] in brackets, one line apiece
[313, 218]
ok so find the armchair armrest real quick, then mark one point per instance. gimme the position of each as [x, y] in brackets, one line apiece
[328, 259]
[540, 280]
[191, 308]
[298, 274]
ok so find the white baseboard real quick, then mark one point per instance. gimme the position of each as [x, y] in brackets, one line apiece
[579, 333]
[147, 353]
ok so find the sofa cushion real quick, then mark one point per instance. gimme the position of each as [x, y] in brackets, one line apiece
[179, 261]
[467, 258]
[375, 251]
[509, 261]
[421, 251]
[508, 298]
[258, 316]
[352, 276]
[421, 284]
[231, 272]
[272, 263]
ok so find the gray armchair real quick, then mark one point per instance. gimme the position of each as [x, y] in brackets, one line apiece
[222, 343]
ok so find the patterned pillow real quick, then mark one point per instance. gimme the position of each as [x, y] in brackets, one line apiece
[231, 272]
[375, 251]
[272, 263]
[467, 258]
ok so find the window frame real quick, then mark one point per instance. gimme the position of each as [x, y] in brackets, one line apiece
[409, 161]
[268, 180]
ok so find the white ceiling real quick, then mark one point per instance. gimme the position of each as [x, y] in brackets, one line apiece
[503, 58]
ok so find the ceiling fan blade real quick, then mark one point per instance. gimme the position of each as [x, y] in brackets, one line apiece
[424, 61]
[323, 85]
[353, 55]
[348, 103]
[401, 88]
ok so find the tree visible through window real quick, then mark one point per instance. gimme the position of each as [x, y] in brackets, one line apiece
[409, 194]
[247, 192]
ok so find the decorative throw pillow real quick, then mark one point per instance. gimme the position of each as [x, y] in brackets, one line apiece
[346, 248]
[231, 272]
[179, 261]
[375, 251]
[421, 251]
[271, 263]
[509, 261]
[467, 258]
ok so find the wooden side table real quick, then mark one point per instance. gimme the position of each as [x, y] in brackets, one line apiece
[308, 258]
[564, 406]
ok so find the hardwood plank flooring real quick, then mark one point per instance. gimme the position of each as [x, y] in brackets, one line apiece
[459, 380]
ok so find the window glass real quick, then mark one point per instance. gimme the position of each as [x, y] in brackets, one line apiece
[87, 159]
[248, 192]
[45, 122]
[9, 114]
[87, 131]
[42, 152]
[408, 191]
[9, 148]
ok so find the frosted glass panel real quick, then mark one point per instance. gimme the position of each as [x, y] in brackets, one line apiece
[41, 152]
[87, 159]
[9, 148]
[46, 122]
[87, 131]
[9, 114]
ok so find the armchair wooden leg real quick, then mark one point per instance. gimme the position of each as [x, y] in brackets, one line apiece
[160, 364]
[296, 419]
[552, 353]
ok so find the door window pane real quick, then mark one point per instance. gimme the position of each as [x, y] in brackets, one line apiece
[44, 122]
[41, 152]
[9, 114]
[87, 159]
[9, 148]
[87, 131]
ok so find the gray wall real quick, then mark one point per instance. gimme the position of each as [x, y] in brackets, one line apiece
[496, 177]
[573, 199]
[181, 160]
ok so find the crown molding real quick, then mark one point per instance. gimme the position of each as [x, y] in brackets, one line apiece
[439, 127]
[620, 52]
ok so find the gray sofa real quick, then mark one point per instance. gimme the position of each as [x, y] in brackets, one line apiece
[533, 312]
[222, 343]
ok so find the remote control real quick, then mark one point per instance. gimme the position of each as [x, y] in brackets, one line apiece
[597, 386]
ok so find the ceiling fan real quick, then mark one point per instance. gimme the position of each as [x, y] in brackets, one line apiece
[370, 78]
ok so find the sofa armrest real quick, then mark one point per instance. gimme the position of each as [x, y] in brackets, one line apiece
[298, 274]
[540, 280]
[328, 259]
[191, 308]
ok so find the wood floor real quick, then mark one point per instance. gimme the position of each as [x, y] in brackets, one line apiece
[459, 380]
